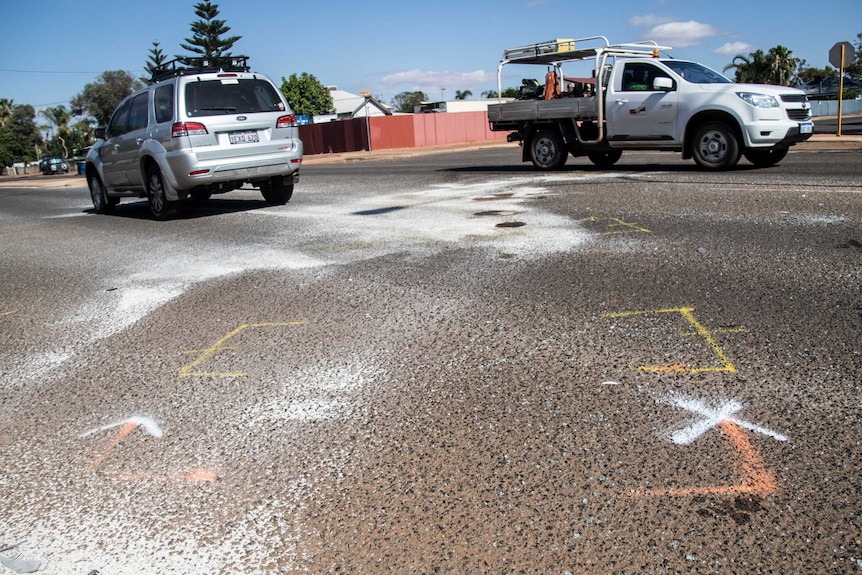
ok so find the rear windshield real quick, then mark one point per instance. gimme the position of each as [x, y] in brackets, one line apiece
[231, 96]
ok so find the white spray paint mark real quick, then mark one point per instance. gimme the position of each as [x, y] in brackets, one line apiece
[149, 425]
[712, 416]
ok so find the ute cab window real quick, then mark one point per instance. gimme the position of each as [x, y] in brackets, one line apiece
[639, 77]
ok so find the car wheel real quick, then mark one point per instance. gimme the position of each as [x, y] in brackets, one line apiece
[765, 158]
[605, 159]
[101, 202]
[547, 151]
[714, 146]
[276, 191]
[160, 206]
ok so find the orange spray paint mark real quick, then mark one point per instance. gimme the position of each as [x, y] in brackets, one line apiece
[758, 479]
[121, 434]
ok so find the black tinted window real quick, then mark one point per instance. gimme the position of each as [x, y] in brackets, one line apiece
[163, 99]
[120, 120]
[138, 113]
[231, 96]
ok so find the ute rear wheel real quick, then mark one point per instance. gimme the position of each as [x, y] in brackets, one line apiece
[547, 151]
[715, 146]
[162, 208]
[765, 158]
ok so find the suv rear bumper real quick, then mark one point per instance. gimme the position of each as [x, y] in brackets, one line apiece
[188, 171]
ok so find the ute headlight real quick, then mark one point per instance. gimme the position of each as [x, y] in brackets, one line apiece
[758, 100]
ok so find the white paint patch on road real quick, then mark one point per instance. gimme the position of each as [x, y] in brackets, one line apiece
[710, 417]
[431, 220]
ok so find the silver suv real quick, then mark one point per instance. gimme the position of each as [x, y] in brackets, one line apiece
[196, 130]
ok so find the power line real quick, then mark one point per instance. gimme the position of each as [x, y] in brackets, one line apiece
[45, 71]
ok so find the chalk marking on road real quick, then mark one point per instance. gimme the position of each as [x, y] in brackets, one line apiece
[2, 313]
[613, 223]
[757, 478]
[149, 425]
[711, 417]
[126, 427]
[686, 313]
[190, 370]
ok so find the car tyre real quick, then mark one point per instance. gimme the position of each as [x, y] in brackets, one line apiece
[160, 206]
[765, 158]
[102, 204]
[715, 146]
[605, 159]
[276, 191]
[547, 151]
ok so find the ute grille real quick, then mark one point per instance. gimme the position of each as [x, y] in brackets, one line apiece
[797, 98]
[798, 114]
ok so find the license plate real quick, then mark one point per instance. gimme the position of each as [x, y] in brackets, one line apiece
[806, 128]
[248, 137]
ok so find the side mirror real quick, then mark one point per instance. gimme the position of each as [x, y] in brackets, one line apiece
[663, 84]
[99, 133]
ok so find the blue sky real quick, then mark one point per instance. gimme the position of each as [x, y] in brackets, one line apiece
[50, 50]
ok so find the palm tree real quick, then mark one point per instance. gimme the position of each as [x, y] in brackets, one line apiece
[462, 94]
[775, 67]
[749, 69]
[59, 116]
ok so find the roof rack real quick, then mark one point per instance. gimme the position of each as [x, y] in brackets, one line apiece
[554, 52]
[198, 65]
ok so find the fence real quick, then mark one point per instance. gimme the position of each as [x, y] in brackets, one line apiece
[820, 108]
[402, 131]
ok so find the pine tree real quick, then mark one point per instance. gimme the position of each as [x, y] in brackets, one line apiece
[156, 59]
[207, 40]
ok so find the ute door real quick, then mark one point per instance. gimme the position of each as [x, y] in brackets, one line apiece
[639, 110]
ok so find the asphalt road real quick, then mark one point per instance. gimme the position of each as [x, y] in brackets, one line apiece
[441, 364]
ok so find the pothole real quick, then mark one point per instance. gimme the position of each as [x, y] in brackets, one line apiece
[511, 225]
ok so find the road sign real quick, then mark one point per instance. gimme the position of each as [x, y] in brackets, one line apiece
[835, 54]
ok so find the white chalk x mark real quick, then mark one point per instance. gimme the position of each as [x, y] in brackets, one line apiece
[149, 425]
[711, 417]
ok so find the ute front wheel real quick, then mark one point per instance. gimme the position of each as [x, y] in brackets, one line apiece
[765, 158]
[605, 159]
[715, 146]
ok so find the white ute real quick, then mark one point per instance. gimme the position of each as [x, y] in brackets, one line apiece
[636, 99]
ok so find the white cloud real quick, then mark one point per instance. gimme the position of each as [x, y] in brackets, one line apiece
[427, 80]
[682, 34]
[648, 20]
[733, 48]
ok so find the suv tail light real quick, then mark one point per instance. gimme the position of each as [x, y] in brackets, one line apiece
[181, 129]
[288, 121]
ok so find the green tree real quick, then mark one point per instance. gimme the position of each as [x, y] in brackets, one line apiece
[462, 94]
[405, 102]
[806, 73]
[778, 66]
[99, 99]
[306, 95]
[6, 106]
[156, 59]
[507, 93]
[207, 40]
[20, 139]
[854, 70]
